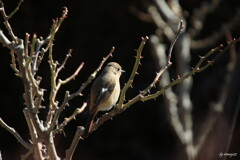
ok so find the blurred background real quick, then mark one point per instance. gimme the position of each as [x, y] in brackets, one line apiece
[205, 107]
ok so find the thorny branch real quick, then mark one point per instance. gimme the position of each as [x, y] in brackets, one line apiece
[199, 67]
[26, 58]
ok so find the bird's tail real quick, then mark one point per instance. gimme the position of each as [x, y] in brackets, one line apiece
[89, 123]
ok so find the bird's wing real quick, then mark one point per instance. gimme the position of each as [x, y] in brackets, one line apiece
[104, 92]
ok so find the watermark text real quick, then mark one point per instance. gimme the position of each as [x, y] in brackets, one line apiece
[227, 155]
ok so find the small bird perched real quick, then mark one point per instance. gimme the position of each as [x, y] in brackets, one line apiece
[104, 92]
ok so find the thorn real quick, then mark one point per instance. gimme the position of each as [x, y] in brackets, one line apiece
[81, 138]
[141, 57]
[131, 86]
[136, 73]
[201, 57]
[210, 62]
[140, 63]
[212, 50]
[178, 77]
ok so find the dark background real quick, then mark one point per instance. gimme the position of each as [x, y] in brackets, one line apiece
[91, 29]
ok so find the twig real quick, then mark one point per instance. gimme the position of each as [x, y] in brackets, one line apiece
[15, 134]
[71, 149]
[134, 72]
[67, 120]
[48, 41]
[15, 10]
[162, 70]
[13, 65]
[61, 82]
[64, 62]
[180, 30]
[170, 98]
[6, 18]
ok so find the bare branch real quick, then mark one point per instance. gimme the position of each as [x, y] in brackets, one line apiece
[71, 77]
[15, 134]
[40, 43]
[159, 74]
[134, 72]
[180, 30]
[6, 18]
[15, 10]
[13, 65]
[5, 41]
[71, 149]
[64, 62]
[67, 120]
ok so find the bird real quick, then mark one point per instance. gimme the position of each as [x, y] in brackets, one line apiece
[104, 92]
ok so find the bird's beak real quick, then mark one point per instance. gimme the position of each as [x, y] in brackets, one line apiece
[122, 71]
